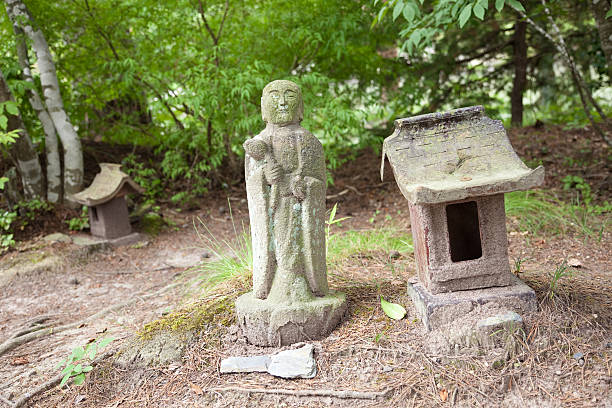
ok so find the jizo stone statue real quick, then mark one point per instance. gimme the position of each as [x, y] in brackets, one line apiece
[286, 185]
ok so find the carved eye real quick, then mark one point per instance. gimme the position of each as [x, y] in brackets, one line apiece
[274, 94]
[289, 94]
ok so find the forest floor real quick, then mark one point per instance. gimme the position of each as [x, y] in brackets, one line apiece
[393, 363]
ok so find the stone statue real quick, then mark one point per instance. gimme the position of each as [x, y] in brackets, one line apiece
[286, 184]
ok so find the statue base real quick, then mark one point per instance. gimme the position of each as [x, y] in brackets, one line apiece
[273, 325]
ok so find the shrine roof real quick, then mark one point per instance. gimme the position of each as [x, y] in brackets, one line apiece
[449, 156]
[111, 182]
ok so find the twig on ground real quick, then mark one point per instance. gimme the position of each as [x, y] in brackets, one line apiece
[345, 394]
[15, 342]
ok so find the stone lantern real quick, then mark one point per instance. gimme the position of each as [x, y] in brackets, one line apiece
[454, 168]
[105, 198]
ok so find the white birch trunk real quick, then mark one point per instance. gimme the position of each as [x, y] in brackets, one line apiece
[73, 153]
[22, 151]
[54, 170]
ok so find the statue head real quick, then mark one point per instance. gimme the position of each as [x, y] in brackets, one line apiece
[281, 103]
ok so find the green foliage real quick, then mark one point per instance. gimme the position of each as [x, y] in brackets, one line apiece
[81, 222]
[78, 363]
[146, 177]
[232, 259]
[379, 241]
[542, 212]
[331, 221]
[562, 271]
[6, 220]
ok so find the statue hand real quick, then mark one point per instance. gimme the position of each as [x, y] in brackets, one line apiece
[298, 188]
[274, 173]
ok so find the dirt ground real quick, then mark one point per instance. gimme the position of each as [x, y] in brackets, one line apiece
[391, 362]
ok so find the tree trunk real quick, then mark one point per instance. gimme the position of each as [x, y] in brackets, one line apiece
[54, 170]
[73, 153]
[604, 25]
[22, 151]
[520, 72]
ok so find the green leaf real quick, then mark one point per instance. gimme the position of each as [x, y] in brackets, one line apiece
[499, 4]
[104, 342]
[11, 107]
[3, 122]
[68, 369]
[479, 11]
[79, 379]
[409, 12]
[87, 369]
[78, 369]
[91, 350]
[78, 353]
[465, 15]
[64, 379]
[609, 13]
[515, 5]
[397, 10]
[393, 310]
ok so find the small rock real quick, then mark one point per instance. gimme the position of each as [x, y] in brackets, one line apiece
[250, 364]
[222, 210]
[206, 254]
[575, 263]
[394, 254]
[579, 357]
[298, 363]
[74, 281]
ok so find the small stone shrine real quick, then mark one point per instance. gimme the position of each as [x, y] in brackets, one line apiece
[286, 185]
[454, 168]
[105, 198]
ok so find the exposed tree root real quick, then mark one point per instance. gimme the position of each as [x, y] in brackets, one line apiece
[29, 335]
[347, 394]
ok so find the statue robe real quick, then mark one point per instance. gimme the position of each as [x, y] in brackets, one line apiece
[288, 234]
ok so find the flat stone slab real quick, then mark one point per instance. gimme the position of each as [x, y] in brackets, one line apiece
[295, 363]
[439, 310]
[270, 324]
[249, 364]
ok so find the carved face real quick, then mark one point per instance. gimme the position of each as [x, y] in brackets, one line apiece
[281, 103]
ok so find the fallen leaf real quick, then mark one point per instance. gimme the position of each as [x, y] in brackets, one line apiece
[466, 178]
[575, 263]
[196, 388]
[393, 310]
[443, 394]
[20, 361]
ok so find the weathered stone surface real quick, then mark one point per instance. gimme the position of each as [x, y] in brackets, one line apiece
[286, 183]
[450, 156]
[453, 168]
[436, 269]
[162, 348]
[438, 310]
[250, 364]
[29, 263]
[111, 182]
[499, 321]
[298, 363]
[57, 237]
[129, 239]
[266, 323]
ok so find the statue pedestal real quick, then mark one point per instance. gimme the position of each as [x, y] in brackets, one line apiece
[272, 324]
